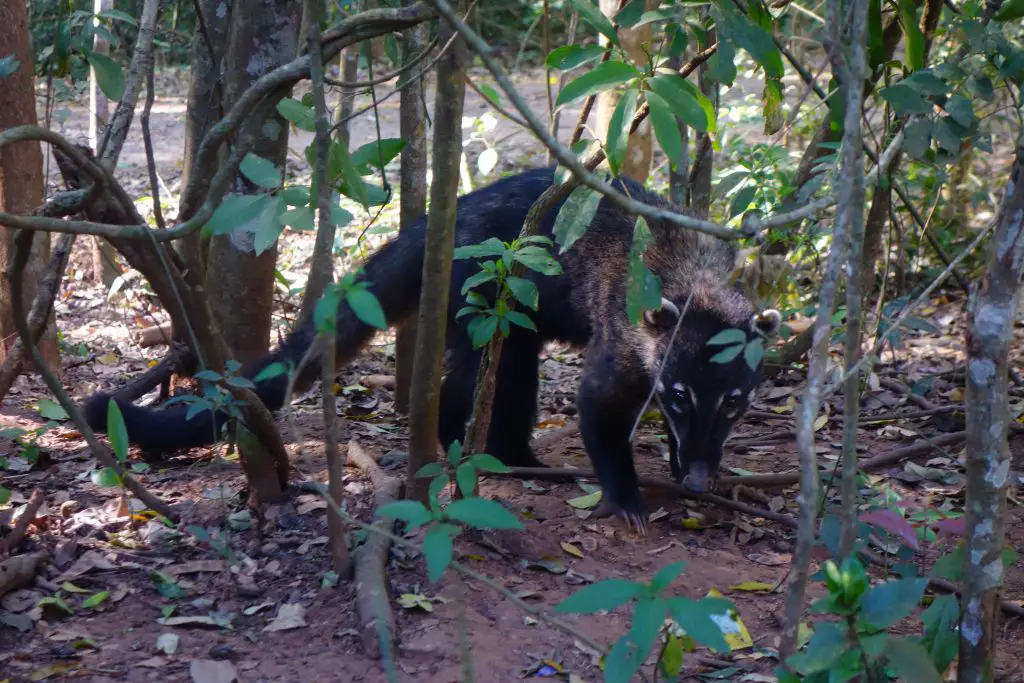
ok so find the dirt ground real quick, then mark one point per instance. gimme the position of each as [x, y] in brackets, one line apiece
[229, 614]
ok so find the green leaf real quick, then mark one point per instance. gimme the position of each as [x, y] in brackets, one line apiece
[648, 617]
[876, 43]
[771, 96]
[730, 336]
[5, 495]
[887, 603]
[680, 95]
[437, 548]
[521, 319]
[8, 65]
[910, 661]
[454, 454]
[752, 38]
[117, 431]
[753, 353]
[273, 370]
[109, 75]
[643, 289]
[538, 259]
[604, 76]
[343, 170]
[666, 575]
[296, 195]
[524, 291]
[492, 246]
[431, 469]
[325, 311]
[412, 512]
[1011, 9]
[623, 661]
[905, 99]
[927, 83]
[914, 46]
[666, 128]
[477, 279]
[235, 211]
[569, 57]
[437, 484]
[51, 410]
[960, 110]
[603, 595]
[105, 478]
[628, 16]
[574, 217]
[826, 646]
[377, 154]
[741, 200]
[260, 171]
[465, 478]
[592, 15]
[722, 65]
[301, 116]
[678, 38]
[96, 600]
[299, 218]
[367, 307]
[917, 138]
[727, 354]
[618, 129]
[482, 514]
[270, 226]
[487, 463]
[481, 329]
[696, 618]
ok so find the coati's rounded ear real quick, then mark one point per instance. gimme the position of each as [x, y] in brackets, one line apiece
[668, 314]
[767, 322]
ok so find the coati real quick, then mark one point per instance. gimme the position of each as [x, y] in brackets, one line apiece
[584, 306]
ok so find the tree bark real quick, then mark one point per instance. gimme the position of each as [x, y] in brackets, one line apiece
[21, 176]
[104, 267]
[703, 154]
[992, 312]
[412, 197]
[437, 261]
[240, 282]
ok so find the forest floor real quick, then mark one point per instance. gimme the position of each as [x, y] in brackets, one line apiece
[271, 613]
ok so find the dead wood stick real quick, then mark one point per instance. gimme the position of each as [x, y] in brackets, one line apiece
[895, 385]
[912, 414]
[154, 335]
[550, 437]
[19, 571]
[565, 474]
[376, 620]
[35, 501]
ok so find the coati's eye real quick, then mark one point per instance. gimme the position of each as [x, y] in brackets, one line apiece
[732, 403]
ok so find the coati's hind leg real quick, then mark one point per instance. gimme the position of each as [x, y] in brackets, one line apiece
[457, 392]
[515, 402]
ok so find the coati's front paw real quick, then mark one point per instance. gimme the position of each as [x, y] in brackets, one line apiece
[629, 512]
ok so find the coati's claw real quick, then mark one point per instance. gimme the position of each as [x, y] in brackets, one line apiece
[635, 520]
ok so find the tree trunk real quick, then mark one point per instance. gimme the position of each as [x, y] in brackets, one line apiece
[21, 176]
[437, 261]
[104, 266]
[413, 199]
[263, 36]
[992, 312]
[640, 149]
[703, 153]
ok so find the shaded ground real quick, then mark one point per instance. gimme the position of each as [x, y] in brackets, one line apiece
[283, 559]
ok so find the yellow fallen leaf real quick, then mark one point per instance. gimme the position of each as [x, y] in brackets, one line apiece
[752, 586]
[691, 523]
[820, 422]
[571, 549]
[585, 502]
[733, 629]
[111, 359]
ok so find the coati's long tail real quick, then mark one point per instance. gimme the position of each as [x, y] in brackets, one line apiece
[394, 274]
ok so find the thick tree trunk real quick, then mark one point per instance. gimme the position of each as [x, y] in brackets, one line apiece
[413, 198]
[21, 175]
[640, 150]
[263, 36]
[425, 388]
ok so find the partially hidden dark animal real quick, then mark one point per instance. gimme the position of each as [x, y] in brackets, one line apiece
[584, 306]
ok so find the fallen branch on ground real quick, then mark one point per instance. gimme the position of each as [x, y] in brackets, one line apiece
[372, 602]
[19, 571]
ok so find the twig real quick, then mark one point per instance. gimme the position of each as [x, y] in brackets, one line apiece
[372, 602]
[494, 105]
[894, 385]
[28, 516]
[20, 570]
[147, 141]
[377, 80]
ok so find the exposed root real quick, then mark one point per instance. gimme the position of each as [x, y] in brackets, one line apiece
[19, 571]
[376, 622]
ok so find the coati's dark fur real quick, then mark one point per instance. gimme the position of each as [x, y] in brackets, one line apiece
[585, 306]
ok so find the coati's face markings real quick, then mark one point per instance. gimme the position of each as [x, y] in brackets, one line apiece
[702, 400]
